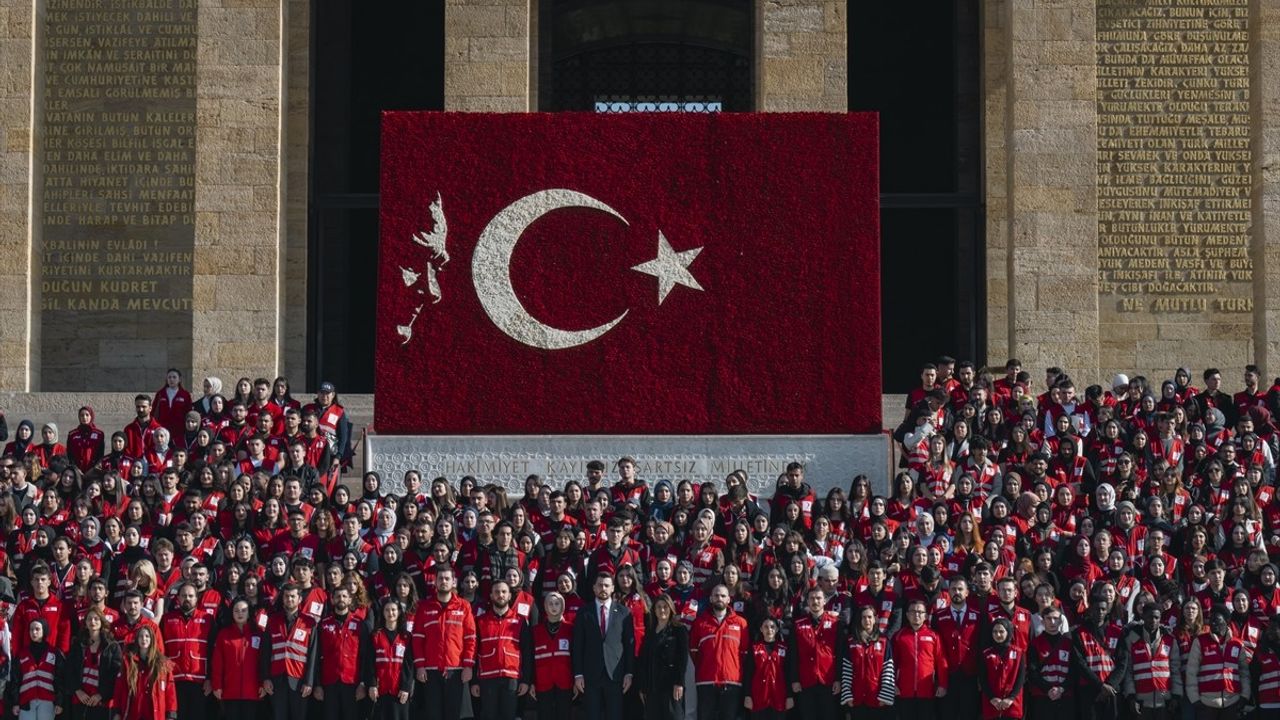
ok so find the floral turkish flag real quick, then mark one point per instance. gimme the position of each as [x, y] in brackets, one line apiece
[623, 274]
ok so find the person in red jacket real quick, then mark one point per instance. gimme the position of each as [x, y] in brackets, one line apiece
[1002, 674]
[187, 632]
[292, 637]
[86, 442]
[811, 658]
[144, 687]
[866, 672]
[334, 670]
[389, 664]
[137, 434]
[764, 675]
[33, 690]
[444, 648]
[43, 604]
[170, 406]
[1050, 673]
[921, 664]
[498, 631]
[240, 664]
[548, 666]
[958, 627]
[717, 643]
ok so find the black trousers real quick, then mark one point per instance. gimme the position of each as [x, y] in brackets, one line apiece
[1064, 708]
[388, 707]
[241, 709]
[339, 702]
[602, 699]
[718, 702]
[768, 715]
[497, 699]
[1231, 712]
[1094, 705]
[962, 699]
[660, 705]
[192, 702]
[555, 704]
[915, 708]
[817, 703]
[874, 713]
[287, 703]
[1153, 713]
[441, 695]
[84, 712]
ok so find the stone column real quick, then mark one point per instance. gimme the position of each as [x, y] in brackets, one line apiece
[1265, 59]
[18, 231]
[240, 189]
[802, 58]
[995, 75]
[487, 55]
[1050, 140]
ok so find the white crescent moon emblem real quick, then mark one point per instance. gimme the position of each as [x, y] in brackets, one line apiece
[491, 270]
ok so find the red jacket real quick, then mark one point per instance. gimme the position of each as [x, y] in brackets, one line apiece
[867, 662]
[552, 664]
[172, 416]
[498, 649]
[716, 648]
[444, 636]
[959, 640]
[813, 644]
[768, 678]
[138, 438]
[56, 615]
[155, 698]
[186, 642]
[85, 445]
[338, 657]
[238, 662]
[392, 662]
[1003, 669]
[920, 661]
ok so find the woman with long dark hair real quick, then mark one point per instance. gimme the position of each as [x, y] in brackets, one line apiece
[663, 658]
[94, 661]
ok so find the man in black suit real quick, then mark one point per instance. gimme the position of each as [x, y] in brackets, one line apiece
[603, 652]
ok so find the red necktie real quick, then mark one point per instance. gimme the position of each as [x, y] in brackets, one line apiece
[604, 620]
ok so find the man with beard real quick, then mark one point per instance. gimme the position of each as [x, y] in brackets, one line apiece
[335, 670]
[717, 642]
[186, 632]
[498, 631]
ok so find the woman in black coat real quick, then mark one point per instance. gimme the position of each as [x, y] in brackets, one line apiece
[663, 660]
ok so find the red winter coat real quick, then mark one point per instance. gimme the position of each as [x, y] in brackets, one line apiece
[920, 661]
[716, 648]
[444, 636]
[172, 416]
[237, 662]
[154, 699]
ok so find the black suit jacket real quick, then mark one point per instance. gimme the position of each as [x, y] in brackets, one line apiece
[588, 644]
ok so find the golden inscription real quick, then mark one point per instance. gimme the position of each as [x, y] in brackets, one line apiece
[1174, 157]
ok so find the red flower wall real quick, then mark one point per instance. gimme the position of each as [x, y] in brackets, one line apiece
[784, 337]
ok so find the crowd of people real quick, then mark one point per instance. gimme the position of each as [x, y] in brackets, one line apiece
[1038, 554]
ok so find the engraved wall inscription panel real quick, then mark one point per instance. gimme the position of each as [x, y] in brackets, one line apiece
[116, 187]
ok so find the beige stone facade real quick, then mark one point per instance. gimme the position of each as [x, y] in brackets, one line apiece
[1047, 295]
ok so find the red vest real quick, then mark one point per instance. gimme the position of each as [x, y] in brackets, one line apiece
[1219, 665]
[769, 681]
[339, 649]
[867, 660]
[1097, 655]
[815, 642]
[1053, 658]
[958, 639]
[1268, 690]
[37, 677]
[289, 644]
[1151, 671]
[186, 642]
[553, 668]
[499, 639]
[388, 661]
[89, 677]
[1001, 666]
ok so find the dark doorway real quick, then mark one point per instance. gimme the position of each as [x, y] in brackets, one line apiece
[366, 57]
[920, 71]
[646, 55]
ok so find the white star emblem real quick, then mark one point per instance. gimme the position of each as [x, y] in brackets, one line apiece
[670, 267]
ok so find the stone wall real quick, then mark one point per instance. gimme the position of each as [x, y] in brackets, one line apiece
[1265, 37]
[17, 35]
[803, 56]
[240, 188]
[487, 55]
